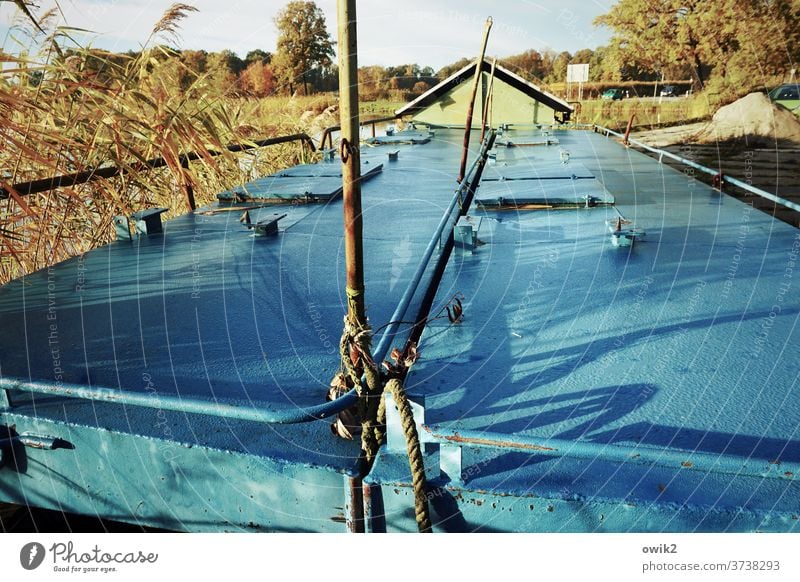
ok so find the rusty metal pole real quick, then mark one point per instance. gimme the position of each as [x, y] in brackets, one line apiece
[351, 161]
[487, 101]
[475, 83]
[628, 129]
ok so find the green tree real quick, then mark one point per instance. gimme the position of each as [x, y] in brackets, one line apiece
[303, 43]
[258, 55]
[750, 38]
[581, 57]
[559, 72]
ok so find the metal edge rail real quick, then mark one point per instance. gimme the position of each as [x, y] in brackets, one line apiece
[70, 180]
[589, 451]
[706, 170]
[252, 412]
[327, 133]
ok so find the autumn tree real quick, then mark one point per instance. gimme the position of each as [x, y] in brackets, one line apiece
[221, 73]
[528, 64]
[749, 37]
[303, 43]
[445, 72]
[257, 79]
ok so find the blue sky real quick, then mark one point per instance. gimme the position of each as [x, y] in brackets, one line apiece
[427, 32]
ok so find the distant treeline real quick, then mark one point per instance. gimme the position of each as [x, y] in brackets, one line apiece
[256, 75]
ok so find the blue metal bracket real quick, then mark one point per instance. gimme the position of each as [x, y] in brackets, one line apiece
[122, 228]
[465, 232]
[622, 235]
[148, 221]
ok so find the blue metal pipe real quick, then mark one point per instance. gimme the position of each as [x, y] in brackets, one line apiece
[688, 460]
[399, 314]
[266, 415]
[173, 403]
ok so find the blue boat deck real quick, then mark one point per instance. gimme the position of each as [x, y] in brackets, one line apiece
[679, 349]
[679, 344]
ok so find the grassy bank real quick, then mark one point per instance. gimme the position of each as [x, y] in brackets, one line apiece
[649, 112]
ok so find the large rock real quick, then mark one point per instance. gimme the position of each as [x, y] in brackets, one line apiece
[754, 118]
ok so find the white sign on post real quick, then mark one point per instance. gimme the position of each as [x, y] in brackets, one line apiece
[577, 74]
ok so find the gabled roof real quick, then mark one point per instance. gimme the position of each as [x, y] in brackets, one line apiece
[501, 73]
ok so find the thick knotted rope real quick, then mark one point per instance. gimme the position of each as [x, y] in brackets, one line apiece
[371, 410]
[357, 361]
[414, 450]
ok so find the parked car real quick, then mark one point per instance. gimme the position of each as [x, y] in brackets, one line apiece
[669, 91]
[788, 96]
[613, 94]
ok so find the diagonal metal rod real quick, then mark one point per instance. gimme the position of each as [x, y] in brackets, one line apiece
[487, 100]
[475, 83]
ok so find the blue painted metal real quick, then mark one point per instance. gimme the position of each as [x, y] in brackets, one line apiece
[706, 170]
[148, 221]
[191, 341]
[264, 224]
[407, 136]
[306, 183]
[540, 179]
[465, 232]
[529, 142]
[122, 228]
[158, 480]
[167, 365]
[527, 492]
[637, 454]
[673, 350]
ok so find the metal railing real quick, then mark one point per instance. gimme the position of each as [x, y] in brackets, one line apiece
[706, 170]
[617, 453]
[327, 134]
[106, 172]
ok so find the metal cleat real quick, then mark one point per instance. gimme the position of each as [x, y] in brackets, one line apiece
[621, 236]
[267, 226]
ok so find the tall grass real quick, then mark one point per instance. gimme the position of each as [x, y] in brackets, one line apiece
[71, 110]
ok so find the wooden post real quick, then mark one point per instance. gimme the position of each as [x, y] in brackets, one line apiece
[351, 161]
[475, 83]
